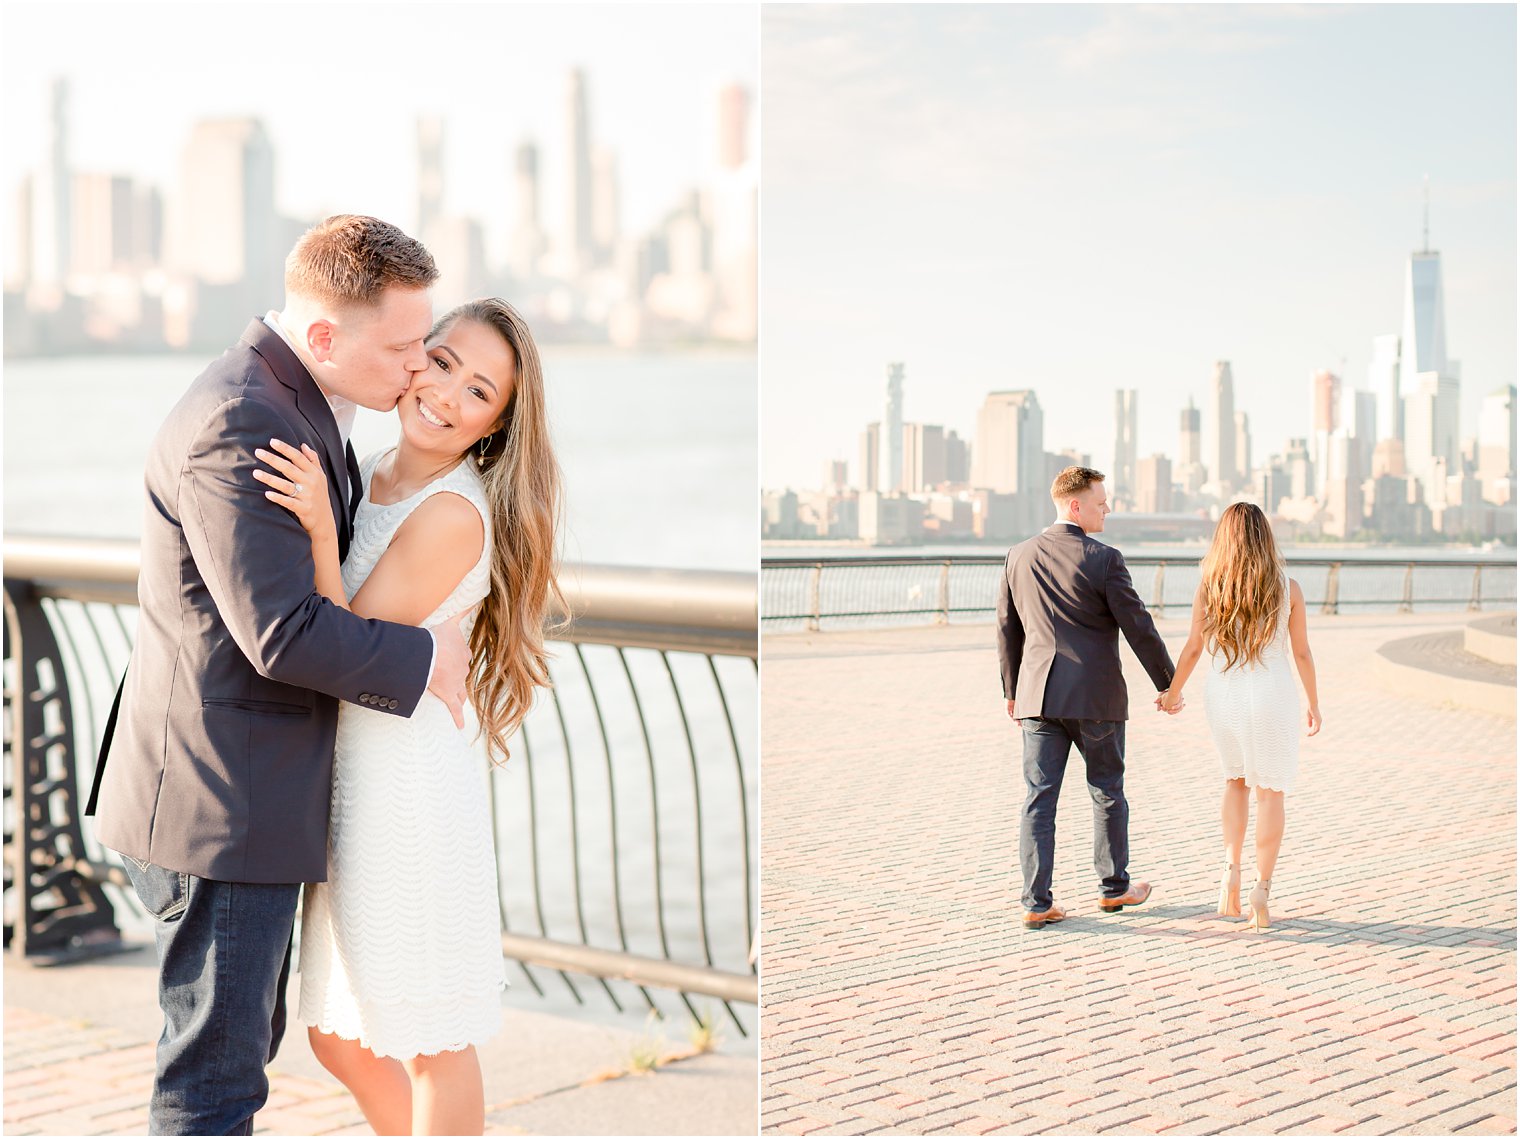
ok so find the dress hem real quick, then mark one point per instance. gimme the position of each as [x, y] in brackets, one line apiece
[360, 1040]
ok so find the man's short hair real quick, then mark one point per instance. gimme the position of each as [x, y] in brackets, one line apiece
[350, 259]
[1073, 481]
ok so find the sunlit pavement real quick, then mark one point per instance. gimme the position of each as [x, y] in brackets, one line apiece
[902, 995]
[79, 1043]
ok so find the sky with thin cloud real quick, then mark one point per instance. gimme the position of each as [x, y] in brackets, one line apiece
[1077, 199]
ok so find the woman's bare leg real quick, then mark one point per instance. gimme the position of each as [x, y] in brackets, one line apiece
[448, 1097]
[379, 1083]
[1269, 831]
[1234, 806]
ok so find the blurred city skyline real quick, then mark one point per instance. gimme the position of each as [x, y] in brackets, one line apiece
[600, 227]
[345, 127]
[1078, 200]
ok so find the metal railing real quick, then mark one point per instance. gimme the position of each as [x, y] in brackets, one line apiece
[624, 821]
[815, 593]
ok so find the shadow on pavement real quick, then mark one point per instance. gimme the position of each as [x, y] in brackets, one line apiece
[1305, 930]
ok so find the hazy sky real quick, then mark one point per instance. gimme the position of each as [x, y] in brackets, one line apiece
[339, 87]
[1077, 198]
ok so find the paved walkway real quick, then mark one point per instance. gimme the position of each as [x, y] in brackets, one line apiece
[902, 996]
[79, 1061]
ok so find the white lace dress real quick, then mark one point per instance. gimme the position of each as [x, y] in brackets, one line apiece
[401, 946]
[1252, 711]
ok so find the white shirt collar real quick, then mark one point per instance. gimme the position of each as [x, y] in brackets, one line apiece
[344, 411]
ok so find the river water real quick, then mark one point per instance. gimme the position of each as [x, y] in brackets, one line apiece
[658, 449]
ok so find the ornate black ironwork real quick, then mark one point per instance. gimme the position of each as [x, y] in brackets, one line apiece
[55, 909]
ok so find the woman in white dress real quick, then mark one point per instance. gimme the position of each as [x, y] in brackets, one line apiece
[1249, 614]
[401, 962]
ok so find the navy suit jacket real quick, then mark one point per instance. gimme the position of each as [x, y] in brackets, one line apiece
[1063, 600]
[221, 765]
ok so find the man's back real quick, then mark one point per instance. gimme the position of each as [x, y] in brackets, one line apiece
[1062, 602]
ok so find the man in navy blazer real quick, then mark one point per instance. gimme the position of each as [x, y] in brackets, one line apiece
[1062, 603]
[218, 783]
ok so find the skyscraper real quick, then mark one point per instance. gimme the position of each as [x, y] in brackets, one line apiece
[1153, 485]
[1300, 467]
[957, 459]
[103, 238]
[870, 457]
[1009, 453]
[733, 124]
[577, 238]
[1496, 435]
[923, 456]
[226, 216]
[51, 188]
[458, 245]
[18, 262]
[1126, 429]
[890, 475]
[1243, 445]
[429, 175]
[1324, 418]
[528, 241]
[1219, 436]
[734, 210]
[604, 201]
[1383, 380]
[1341, 484]
[1190, 469]
[835, 476]
[1359, 416]
[1426, 373]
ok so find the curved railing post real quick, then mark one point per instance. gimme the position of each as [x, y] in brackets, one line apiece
[60, 911]
[1476, 602]
[814, 592]
[944, 594]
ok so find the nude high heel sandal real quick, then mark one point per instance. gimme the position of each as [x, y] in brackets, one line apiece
[1260, 919]
[1229, 891]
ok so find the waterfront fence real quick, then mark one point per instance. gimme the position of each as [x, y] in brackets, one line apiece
[902, 589]
[625, 820]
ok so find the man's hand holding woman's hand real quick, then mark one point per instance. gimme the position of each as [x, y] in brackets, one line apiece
[1169, 701]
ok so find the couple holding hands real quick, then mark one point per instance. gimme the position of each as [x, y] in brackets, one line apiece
[1063, 600]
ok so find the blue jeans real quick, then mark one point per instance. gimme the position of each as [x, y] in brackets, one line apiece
[1047, 744]
[223, 963]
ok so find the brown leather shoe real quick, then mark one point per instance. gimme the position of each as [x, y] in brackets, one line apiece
[1039, 919]
[1137, 893]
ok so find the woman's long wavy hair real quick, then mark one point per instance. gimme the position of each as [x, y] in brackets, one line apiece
[1242, 586]
[522, 481]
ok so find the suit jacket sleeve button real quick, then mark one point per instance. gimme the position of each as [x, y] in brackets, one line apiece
[390, 703]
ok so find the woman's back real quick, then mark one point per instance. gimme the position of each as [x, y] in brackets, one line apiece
[1252, 707]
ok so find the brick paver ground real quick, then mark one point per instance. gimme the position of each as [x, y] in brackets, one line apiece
[544, 1074]
[902, 996]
